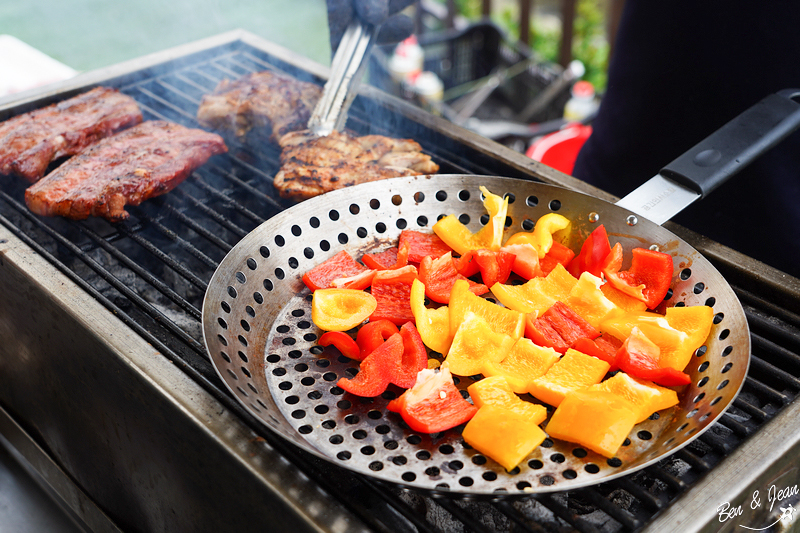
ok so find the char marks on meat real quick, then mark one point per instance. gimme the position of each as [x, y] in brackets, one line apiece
[275, 102]
[312, 165]
[31, 141]
[144, 161]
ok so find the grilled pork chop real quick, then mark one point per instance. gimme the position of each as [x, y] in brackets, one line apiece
[31, 141]
[144, 161]
[312, 165]
[275, 102]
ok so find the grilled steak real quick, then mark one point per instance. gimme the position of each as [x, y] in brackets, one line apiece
[312, 165]
[144, 161]
[275, 102]
[29, 142]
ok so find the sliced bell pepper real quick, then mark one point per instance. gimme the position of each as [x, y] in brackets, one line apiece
[342, 342]
[391, 289]
[542, 235]
[371, 335]
[696, 321]
[502, 435]
[415, 357]
[538, 294]
[587, 299]
[559, 327]
[341, 265]
[593, 252]
[526, 260]
[421, 245]
[390, 259]
[523, 364]
[623, 301]
[655, 327]
[359, 281]
[638, 356]
[341, 309]
[604, 347]
[433, 324]
[458, 237]
[474, 344]
[440, 274]
[499, 319]
[597, 420]
[433, 404]
[574, 371]
[498, 392]
[494, 267]
[646, 396]
[558, 255]
[648, 278]
[377, 370]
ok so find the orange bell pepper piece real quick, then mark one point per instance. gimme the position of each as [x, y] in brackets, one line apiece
[574, 371]
[497, 391]
[696, 322]
[475, 343]
[502, 435]
[587, 299]
[538, 294]
[597, 420]
[341, 309]
[656, 328]
[645, 395]
[499, 319]
[523, 364]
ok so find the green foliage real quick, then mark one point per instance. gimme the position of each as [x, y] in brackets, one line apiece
[590, 44]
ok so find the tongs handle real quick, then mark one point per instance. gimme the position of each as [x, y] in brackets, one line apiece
[347, 69]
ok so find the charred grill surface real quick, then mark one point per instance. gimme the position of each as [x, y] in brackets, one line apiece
[269, 100]
[31, 141]
[314, 165]
[144, 161]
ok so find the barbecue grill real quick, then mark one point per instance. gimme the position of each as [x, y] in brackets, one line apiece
[109, 394]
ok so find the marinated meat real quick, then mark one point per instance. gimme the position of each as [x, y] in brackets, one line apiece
[31, 141]
[312, 165]
[144, 161]
[276, 102]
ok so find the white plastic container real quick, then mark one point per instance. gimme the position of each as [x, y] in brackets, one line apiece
[582, 103]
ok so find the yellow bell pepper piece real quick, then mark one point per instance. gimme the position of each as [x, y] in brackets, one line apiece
[341, 309]
[646, 396]
[588, 300]
[671, 342]
[497, 391]
[542, 235]
[574, 371]
[499, 319]
[433, 325]
[538, 294]
[696, 322]
[474, 343]
[458, 237]
[597, 420]
[526, 362]
[504, 436]
[623, 301]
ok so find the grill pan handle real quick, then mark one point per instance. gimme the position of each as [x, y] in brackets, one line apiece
[722, 154]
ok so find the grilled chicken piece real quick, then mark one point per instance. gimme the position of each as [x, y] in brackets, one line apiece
[312, 165]
[144, 161]
[31, 141]
[275, 102]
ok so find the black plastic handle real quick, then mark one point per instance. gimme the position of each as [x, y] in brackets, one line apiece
[732, 147]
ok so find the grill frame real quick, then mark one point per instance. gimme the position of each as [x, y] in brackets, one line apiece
[171, 382]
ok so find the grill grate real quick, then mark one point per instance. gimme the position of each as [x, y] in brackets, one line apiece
[152, 272]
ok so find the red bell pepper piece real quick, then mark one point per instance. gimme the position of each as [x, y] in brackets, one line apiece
[638, 357]
[377, 370]
[390, 259]
[593, 252]
[415, 357]
[371, 335]
[648, 279]
[433, 404]
[422, 245]
[559, 327]
[392, 291]
[342, 342]
[599, 350]
[494, 267]
[526, 260]
[438, 275]
[358, 282]
[558, 254]
[341, 265]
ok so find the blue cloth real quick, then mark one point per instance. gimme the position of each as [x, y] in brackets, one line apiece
[679, 71]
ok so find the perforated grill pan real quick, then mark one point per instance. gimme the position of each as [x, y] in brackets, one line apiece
[259, 334]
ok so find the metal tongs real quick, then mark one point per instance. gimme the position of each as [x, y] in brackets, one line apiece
[347, 69]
